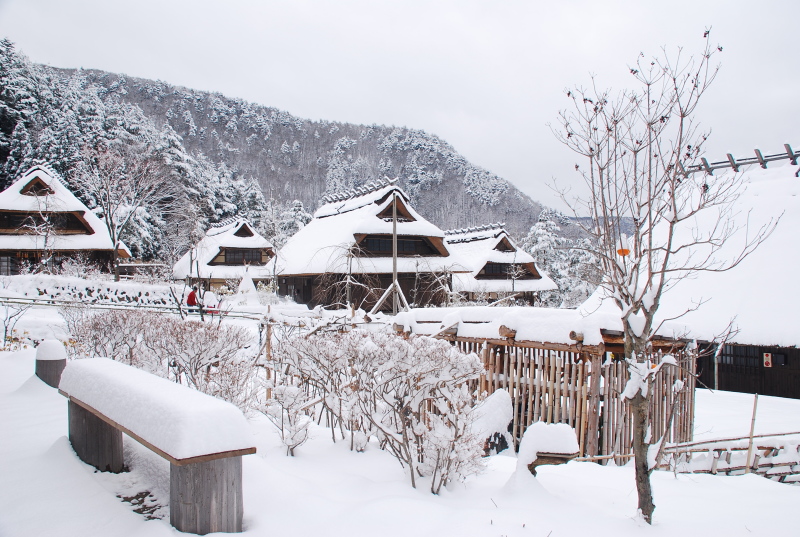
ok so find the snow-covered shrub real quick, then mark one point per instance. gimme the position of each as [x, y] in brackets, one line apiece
[198, 351]
[412, 394]
[286, 409]
[215, 359]
[117, 334]
[80, 266]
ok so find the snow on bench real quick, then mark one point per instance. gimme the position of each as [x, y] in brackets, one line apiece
[547, 443]
[202, 437]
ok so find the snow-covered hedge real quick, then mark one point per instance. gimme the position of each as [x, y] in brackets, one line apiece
[412, 395]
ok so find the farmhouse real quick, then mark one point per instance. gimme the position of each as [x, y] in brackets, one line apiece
[41, 221]
[344, 255]
[497, 267]
[752, 307]
[230, 249]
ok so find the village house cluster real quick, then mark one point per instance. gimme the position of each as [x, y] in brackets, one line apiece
[344, 255]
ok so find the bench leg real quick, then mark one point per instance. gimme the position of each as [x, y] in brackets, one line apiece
[206, 497]
[95, 441]
[50, 371]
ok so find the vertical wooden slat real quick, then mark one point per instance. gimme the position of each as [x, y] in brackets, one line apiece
[551, 386]
[593, 414]
[531, 379]
[537, 386]
[573, 392]
[557, 389]
[511, 375]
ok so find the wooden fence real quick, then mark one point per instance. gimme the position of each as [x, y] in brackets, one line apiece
[556, 384]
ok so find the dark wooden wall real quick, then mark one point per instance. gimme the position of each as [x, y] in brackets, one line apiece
[741, 369]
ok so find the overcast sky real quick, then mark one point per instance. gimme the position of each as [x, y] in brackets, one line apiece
[487, 77]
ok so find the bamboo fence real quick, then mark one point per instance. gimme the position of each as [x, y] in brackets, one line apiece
[583, 389]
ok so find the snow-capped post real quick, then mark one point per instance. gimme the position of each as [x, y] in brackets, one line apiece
[51, 359]
[637, 144]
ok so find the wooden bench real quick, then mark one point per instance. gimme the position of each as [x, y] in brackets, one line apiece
[202, 437]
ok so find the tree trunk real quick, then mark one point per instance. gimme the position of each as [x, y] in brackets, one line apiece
[635, 351]
[639, 405]
[115, 261]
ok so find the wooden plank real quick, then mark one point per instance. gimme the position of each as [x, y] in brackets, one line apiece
[154, 449]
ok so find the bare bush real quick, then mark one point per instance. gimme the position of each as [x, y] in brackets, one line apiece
[411, 394]
[212, 358]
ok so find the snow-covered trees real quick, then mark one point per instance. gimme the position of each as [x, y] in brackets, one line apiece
[123, 179]
[636, 146]
[569, 262]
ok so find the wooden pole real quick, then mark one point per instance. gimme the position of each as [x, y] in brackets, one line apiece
[752, 430]
[394, 252]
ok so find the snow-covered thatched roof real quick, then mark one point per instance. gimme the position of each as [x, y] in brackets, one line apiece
[41, 191]
[760, 295]
[233, 233]
[490, 243]
[345, 219]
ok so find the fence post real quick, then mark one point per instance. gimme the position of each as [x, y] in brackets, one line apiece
[593, 429]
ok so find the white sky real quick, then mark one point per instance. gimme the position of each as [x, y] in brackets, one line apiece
[485, 76]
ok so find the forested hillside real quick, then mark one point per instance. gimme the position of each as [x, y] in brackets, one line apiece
[294, 158]
[231, 156]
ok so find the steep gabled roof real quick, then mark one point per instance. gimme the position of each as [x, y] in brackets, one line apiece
[40, 190]
[490, 243]
[344, 219]
[232, 233]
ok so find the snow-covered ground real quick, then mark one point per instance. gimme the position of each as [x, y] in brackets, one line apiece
[328, 490]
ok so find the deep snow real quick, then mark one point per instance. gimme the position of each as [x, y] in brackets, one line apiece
[328, 490]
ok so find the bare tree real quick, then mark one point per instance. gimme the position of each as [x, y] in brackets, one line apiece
[121, 179]
[637, 144]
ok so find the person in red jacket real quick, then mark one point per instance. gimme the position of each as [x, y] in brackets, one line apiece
[191, 300]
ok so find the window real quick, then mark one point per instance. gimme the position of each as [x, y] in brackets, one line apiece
[382, 245]
[8, 265]
[242, 256]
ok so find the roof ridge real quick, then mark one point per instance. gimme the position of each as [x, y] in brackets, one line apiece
[47, 168]
[476, 229]
[369, 188]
